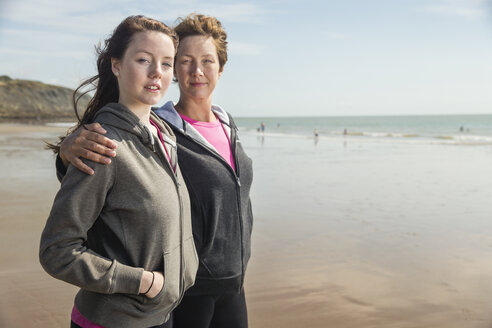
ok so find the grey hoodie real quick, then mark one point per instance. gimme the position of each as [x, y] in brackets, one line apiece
[134, 215]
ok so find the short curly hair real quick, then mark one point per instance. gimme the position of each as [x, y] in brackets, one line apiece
[197, 24]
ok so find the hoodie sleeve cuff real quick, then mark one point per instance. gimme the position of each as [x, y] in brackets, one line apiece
[126, 279]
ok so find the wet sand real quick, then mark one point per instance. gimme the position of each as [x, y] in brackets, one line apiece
[358, 233]
[346, 234]
[28, 296]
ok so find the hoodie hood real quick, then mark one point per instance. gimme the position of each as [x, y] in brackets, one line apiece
[119, 116]
[170, 115]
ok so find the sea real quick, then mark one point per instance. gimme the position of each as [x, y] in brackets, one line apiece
[434, 129]
[380, 221]
[440, 129]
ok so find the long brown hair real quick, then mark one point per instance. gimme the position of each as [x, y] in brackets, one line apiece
[105, 83]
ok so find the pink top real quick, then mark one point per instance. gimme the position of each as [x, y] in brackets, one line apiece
[215, 134]
[82, 321]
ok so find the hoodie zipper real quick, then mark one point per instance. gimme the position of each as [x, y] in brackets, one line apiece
[181, 218]
[165, 160]
[240, 212]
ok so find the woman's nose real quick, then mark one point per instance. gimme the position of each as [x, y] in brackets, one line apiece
[156, 71]
[197, 70]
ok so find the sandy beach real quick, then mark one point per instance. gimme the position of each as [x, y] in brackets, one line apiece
[370, 233]
[28, 296]
[346, 234]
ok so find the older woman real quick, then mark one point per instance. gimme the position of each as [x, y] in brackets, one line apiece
[217, 172]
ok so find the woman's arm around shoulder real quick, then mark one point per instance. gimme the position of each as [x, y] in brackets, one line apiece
[87, 142]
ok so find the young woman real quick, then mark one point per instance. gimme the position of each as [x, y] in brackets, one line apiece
[217, 172]
[124, 235]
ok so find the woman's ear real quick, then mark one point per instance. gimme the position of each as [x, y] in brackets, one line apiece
[115, 66]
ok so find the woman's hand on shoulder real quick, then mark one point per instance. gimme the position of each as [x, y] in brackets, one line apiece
[89, 143]
[152, 283]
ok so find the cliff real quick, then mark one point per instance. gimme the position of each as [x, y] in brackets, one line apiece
[32, 100]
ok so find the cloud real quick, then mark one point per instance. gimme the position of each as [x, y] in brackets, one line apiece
[336, 36]
[60, 16]
[471, 9]
[72, 17]
[57, 37]
[225, 12]
[243, 48]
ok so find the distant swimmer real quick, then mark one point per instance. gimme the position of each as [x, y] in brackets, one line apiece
[345, 132]
[316, 133]
[262, 127]
[462, 128]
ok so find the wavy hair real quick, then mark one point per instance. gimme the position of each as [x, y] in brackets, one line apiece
[104, 82]
[197, 24]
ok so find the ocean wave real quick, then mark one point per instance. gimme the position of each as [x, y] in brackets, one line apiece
[390, 135]
[61, 124]
[374, 134]
[466, 139]
[407, 137]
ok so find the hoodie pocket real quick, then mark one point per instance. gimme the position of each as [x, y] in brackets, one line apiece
[169, 293]
[191, 262]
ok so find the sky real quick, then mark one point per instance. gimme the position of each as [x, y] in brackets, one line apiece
[286, 58]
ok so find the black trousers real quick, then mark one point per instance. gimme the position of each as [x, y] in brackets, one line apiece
[212, 311]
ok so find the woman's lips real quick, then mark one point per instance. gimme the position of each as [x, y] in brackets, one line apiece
[153, 87]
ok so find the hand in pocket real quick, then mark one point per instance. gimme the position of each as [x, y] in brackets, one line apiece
[156, 285]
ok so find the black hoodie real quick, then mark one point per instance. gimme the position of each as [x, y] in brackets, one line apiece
[221, 213]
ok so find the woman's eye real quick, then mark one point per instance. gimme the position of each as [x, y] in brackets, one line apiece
[143, 60]
[167, 64]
